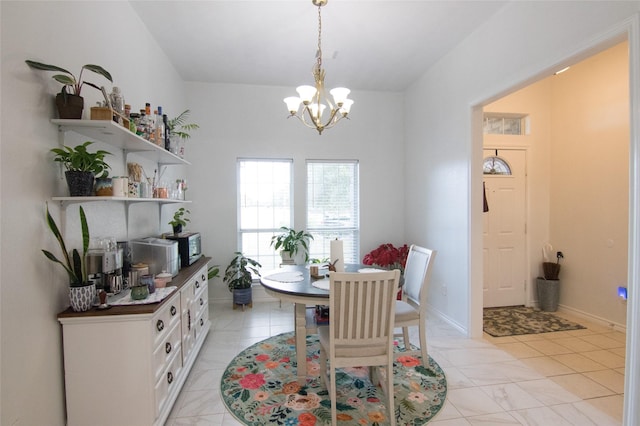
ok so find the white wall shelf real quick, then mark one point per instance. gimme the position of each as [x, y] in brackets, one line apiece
[115, 135]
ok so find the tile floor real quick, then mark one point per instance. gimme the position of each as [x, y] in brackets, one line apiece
[562, 378]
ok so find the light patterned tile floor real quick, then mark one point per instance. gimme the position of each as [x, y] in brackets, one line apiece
[563, 378]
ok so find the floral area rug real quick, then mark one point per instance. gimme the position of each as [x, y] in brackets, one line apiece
[259, 387]
[517, 320]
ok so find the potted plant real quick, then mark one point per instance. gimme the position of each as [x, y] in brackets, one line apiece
[69, 101]
[290, 242]
[81, 292]
[238, 277]
[82, 167]
[179, 132]
[180, 219]
[548, 286]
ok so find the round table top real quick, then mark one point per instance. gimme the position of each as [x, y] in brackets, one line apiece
[301, 288]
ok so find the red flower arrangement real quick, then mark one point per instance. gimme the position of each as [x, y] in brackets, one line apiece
[388, 256]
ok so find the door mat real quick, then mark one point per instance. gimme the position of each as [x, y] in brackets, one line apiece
[518, 320]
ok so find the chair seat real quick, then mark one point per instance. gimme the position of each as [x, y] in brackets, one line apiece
[405, 312]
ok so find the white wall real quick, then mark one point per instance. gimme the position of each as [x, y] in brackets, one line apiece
[523, 40]
[32, 289]
[251, 121]
[590, 182]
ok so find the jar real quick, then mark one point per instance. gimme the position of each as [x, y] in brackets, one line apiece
[139, 292]
[162, 279]
[148, 280]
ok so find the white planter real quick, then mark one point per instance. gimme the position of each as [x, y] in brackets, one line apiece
[82, 297]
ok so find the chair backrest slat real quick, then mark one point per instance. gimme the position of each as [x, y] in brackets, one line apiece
[362, 307]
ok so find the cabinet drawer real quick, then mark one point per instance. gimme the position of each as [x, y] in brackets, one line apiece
[163, 353]
[202, 320]
[165, 319]
[200, 281]
[167, 382]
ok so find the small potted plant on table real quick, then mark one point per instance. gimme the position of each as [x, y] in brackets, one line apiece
[291, 242]
[238, 277]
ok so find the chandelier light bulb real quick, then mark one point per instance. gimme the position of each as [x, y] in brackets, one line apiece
[314, 111]
[293, 103]
[346, 107]
[306, 93]
[339, 95]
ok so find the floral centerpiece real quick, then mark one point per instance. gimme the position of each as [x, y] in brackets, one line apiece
[388, 256]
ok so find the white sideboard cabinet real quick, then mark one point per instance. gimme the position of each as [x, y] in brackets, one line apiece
[126, 365]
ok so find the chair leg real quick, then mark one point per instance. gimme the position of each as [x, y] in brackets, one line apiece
[323, 366]
[422, 329]
[333, 395]
[405, 336]
[390, 393]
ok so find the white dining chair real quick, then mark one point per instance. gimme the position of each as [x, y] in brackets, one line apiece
[360, 330]
[412, 309]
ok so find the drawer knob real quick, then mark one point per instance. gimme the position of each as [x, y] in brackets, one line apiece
[203, 278]
[169, 377]
[201, 302]
[197, 284]
[173, 310]
[160, 325]
[201, 322]
[167, 347]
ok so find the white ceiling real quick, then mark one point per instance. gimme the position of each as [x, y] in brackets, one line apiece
[367, 45]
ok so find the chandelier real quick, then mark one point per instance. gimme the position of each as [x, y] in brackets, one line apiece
[313, 99]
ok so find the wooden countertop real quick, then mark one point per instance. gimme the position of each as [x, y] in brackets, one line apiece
[179, 281]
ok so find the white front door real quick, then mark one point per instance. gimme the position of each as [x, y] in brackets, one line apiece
[504, 232]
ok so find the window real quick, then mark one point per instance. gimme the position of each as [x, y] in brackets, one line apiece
[505, 124]
[265, 203]
[333, 207]
[495, 166]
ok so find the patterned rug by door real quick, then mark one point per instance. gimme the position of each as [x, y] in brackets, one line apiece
[260, 387]
[517, 320]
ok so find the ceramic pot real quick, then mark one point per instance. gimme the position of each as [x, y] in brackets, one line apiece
[139, 292]
[104, 187]
[80, 183]
[242, 296]
[82, 297]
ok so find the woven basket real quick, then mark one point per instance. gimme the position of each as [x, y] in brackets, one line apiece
[551, 270]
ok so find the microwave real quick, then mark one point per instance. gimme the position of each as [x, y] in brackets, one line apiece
[189, 247]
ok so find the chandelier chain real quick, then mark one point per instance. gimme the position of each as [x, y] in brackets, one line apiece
[319, 53]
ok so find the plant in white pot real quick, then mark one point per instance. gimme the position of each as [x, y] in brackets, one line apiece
[69, 101]
[238, 277]
[82, 291]
[291, 242]
[82, 167]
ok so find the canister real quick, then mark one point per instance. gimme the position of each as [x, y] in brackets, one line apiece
[120, 186]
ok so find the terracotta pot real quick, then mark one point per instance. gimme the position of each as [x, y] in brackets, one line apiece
[69, 106]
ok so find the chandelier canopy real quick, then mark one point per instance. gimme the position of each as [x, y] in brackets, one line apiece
[314, 99]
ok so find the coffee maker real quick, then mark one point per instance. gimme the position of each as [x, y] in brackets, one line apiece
[105, 269]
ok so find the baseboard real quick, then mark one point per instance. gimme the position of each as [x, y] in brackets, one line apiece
[441, 315]
[594, 318]
[259, 295]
